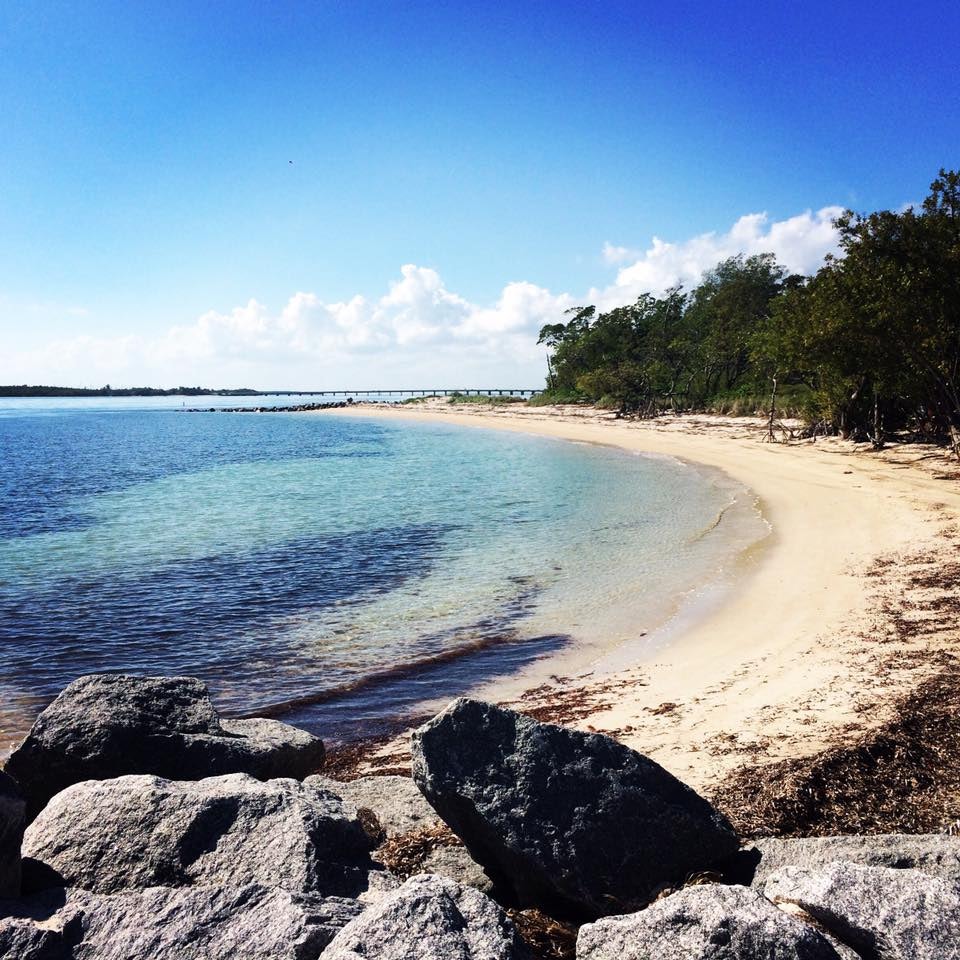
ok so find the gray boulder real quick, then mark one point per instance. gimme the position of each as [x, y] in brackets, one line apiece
[429, 918]
[105, 726]
[203, 923]
[709, 922]
[935, 854]
[142, 831]
[880, 912]
[12, 822]
[396, 801]
[404, 814]
[186, 923]
[455, 863]
[23, 939]
[571, 821]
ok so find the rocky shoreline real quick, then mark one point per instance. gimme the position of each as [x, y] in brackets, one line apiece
[135, 821]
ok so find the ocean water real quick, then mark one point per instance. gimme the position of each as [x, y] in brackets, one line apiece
[339, 572]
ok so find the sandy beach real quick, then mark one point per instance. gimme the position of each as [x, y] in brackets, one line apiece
[847, 607]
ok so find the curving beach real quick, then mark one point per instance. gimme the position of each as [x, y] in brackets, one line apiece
[836, 617]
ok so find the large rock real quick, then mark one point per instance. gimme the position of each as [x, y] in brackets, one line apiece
[935, 854]
[105, 726]
[429, 918]
[12, 822]
[571, 821]
[880, 912]
[405, 816]
[397, 803]
[710, 922]
[187, 923]
[22, 939]
[142, 831]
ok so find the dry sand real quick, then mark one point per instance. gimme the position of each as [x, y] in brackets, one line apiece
[819, 637]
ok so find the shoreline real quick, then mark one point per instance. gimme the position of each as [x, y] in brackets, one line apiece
[795, 658]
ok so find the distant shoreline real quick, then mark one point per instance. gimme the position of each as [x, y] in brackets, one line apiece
[24, 392]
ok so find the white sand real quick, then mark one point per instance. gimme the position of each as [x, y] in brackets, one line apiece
[790, 661]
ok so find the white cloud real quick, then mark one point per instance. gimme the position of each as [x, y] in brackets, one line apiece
[417, 333]
[418, 325]
[614, 255]
[799, 243]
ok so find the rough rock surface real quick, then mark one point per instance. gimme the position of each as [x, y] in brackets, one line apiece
[571, 821]
[895, 914]
[103, 726]
[429, 918]
[710, 922]
[402, 812]
[142, 831]
[186, 923]
[12, 821]
[455, 863]
[935, 854]
[202, 923]
[23, 939]
[397, 803]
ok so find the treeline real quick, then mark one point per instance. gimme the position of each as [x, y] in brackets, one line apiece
[868, 347]
[23, 390]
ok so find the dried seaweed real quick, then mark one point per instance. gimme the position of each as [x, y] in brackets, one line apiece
[903, 777]
[546, 938]
[405, 855]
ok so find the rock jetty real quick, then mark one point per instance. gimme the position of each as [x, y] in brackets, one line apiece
[161, 829]
[289, 408]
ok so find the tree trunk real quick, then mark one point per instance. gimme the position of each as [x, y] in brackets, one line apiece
[877, 424]
[955, 440]
[773, 410]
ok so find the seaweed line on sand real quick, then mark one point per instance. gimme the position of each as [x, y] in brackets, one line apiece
[902, 775]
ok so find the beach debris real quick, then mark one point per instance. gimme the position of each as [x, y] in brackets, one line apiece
[143, 831]
[106, 725]
[433, 850]
[250, 922]
[900, 776]
[711, 922]
[429, 918]
[933, 854]
[880, 912]
[12, 822]
[572, 822]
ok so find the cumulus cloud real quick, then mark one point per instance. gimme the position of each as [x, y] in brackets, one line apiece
[799, 243]
[416, 333]
[310, 343]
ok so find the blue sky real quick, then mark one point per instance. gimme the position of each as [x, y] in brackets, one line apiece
[493, 149]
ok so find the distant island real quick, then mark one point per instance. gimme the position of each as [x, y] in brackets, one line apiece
[23, 390]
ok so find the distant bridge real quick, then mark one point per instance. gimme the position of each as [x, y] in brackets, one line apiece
[446, 392]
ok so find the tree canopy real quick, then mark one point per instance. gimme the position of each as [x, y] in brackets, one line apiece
[868, 346]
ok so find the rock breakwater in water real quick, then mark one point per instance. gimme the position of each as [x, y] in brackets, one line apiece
[288, 408]
[134, 821]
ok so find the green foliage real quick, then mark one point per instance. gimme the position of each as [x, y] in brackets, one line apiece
[665, 353]
[483, 399]
[869, 345]
[876, 333]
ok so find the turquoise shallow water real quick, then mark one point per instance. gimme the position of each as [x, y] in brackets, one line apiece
[334, 571]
